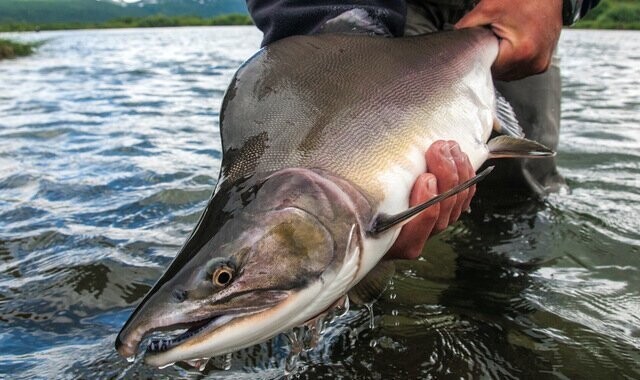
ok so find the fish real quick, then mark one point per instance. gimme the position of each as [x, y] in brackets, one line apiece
[323, 137]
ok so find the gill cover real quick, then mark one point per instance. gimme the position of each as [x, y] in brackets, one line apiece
[291, 233]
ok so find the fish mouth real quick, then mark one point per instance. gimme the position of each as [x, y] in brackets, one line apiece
[162, 352]
[234, 330]
[195, 331]
[181, 336]
[159, 345]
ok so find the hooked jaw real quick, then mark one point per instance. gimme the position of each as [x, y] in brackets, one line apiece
[291, 253]
[234, 332]
[138, 326]
[186, 344]
[226, 333]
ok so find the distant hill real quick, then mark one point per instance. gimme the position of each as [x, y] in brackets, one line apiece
[95, 11]
[15, 14]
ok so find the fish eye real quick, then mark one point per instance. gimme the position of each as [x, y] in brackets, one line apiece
[222, 276]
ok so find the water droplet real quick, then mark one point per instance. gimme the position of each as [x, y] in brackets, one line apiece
[291, 363]
[372, 321]
[320, 324]
[227, 362]
[346, 306]
[199, 364]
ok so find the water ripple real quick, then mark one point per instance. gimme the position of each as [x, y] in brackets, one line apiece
[109, 151]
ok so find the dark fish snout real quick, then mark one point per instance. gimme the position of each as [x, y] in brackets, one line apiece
[126, 347]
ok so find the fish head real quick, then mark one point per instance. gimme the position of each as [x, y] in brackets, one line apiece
[264, 271]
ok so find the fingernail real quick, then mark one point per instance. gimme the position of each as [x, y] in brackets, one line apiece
[455, 149]
[432, 184]
[458, 156]
[446, 150]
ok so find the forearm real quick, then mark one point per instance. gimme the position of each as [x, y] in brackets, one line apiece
[283, 18]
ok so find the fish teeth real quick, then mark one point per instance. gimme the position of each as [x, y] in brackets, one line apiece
[159, 345]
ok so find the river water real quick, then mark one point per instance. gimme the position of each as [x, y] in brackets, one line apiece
[109, 151]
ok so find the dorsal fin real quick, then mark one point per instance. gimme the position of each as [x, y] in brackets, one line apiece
[506, 121]
[355, 21]
[384, 222]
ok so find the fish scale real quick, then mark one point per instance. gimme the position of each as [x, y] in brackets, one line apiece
[323, 138]
[353, 104]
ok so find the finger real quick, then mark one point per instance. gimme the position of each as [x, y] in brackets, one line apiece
[441, 164]
[460, 160]
[519, 59]
[480, 15]
[502, 67]
[509, 65]
[426, 187]
[414, 234]
[472, 190]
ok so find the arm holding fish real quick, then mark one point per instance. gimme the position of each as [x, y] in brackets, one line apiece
[529, 31]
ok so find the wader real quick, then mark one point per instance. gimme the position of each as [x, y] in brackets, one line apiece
[536, 101]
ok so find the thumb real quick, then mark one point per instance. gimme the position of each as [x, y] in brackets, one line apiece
[478, 16]
[503, 66]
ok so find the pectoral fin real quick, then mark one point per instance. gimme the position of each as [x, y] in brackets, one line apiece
[507, 146]
[384, 222]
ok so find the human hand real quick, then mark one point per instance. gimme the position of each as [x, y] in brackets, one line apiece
[447, 167]
[528, 31]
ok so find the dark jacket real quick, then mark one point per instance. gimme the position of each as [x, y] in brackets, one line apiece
[282, 18]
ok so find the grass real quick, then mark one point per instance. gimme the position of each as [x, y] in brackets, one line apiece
[609, 14]
[613, 14]
[95, 11]
[12, 49]
[134, 22]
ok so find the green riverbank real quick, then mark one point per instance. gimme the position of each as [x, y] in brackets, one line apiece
[12, 49]
[609, 14]
[613, 14]
[133, 22]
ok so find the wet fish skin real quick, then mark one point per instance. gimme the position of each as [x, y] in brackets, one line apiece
[355, 105]
[321, 135]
